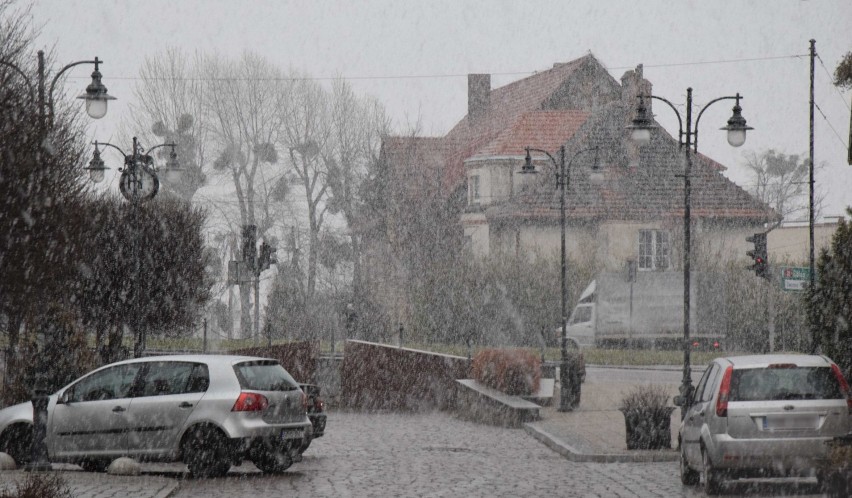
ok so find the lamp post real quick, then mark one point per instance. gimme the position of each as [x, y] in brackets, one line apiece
[139, 182]
[96, 98]
[96, 95]
[687, 139]
[566, 400]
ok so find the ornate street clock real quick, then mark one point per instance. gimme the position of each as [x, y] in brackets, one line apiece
[138, 181]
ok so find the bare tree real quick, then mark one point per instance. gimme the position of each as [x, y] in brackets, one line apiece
[306, 135]
[357, 127]
[169, 108]
[242, 100]
[780, 181]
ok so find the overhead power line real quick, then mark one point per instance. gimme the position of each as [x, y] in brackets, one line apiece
[450, 75]
[831, 78]
[836, 134]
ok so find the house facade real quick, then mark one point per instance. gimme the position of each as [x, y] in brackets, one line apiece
[632, 212]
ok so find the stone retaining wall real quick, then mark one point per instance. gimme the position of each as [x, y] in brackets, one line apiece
[381, 377]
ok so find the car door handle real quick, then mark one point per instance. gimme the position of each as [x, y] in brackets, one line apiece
[185, 404]
[118, 409]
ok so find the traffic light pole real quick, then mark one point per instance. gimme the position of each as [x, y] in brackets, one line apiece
[255, 262]
[770, 305]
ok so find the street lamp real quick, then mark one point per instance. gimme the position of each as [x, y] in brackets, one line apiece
[96, 98]
[562, 181]
[96, 95]
[139, 182]
[641, 134]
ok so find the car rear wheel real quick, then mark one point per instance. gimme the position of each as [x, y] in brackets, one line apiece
[17, 441]
[305, 444]
[688, 476]
[273, 461]
[205, 452]
[712, 477]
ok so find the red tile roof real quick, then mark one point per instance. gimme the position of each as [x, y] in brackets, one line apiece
[650, 191]
[546, 130]
[522, 114]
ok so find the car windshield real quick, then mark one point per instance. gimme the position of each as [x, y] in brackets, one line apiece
[762, 384]
[264, 376]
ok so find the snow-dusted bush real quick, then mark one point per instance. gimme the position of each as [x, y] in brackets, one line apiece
[512, 371]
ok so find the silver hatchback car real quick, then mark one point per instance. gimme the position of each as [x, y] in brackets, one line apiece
[208, 411]
[762, 416]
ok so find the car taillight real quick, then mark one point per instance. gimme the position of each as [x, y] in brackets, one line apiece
[318, 405]
[250, 402]
[844, 386]
[724, 393]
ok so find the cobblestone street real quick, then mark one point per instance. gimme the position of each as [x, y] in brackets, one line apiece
[438, 455]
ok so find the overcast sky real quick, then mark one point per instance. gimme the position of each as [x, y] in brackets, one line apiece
[414, 56]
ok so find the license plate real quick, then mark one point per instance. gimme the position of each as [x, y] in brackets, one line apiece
[292, 434]
[791, 421]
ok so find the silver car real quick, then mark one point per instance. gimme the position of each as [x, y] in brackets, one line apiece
[761, 416]
[208, 411]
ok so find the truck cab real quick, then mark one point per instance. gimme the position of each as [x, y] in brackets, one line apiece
[581, 325]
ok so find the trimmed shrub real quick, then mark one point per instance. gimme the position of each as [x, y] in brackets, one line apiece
[647, 418]
[513, 371]
[39, 486]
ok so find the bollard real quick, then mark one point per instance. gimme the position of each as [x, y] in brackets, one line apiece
[38, 450]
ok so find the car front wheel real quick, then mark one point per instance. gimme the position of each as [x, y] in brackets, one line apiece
[205, 452]
[95, 465]
[688, 476]
[17, 441]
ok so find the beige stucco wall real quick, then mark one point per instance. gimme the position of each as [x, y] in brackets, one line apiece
[610, 245]
[477, 231]
[792, 243]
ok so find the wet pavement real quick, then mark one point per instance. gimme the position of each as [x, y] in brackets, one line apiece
[436, 454]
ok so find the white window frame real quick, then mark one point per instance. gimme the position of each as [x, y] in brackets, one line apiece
[474, 189]
[654, 250]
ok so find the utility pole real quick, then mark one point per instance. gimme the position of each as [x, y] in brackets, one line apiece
[811, 189]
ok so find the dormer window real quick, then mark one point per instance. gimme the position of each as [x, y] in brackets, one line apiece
[473, 189]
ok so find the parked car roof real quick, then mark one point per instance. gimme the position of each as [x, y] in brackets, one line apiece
[198, 358]
[763, 360]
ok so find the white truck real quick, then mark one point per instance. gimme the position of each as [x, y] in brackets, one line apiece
[647, 310]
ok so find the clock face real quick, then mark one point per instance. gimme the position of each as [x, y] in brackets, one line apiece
[138, 181]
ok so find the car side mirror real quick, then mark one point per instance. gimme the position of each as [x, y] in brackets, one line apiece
[65, 397]
[680, 401]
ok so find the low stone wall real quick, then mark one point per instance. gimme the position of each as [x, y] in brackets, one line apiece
[299, 358]
[484, 405]
[381, 377]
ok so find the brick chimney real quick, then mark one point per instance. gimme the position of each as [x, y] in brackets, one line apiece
[632, 85]
[478, 97]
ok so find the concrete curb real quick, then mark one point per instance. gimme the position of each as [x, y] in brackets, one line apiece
[168, 491]
[567, 451]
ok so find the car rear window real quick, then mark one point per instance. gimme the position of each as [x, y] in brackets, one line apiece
[764, 384]
[264, 376]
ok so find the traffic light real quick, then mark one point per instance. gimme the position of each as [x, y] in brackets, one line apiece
[266, 257]
[249, 241]
[758, 255]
